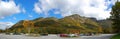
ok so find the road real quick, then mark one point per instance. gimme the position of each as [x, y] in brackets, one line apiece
[102, 36]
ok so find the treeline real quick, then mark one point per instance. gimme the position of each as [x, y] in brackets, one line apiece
[2, 31]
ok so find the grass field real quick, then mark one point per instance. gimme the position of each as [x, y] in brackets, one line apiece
[116, 36]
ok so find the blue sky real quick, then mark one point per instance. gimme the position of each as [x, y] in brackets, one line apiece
[28, 6]
[12, 11]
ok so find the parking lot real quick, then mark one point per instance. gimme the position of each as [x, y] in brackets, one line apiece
[101, 36]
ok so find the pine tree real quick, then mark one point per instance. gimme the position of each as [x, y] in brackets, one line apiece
[115, 17]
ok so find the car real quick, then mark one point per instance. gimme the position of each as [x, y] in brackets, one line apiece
[16, 33]
[63, 35]
[44, 34]
[73, 35]
[82, 34]
[7, 33]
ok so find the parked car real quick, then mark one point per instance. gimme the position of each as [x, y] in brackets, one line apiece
[7, 33]
[16, 33]
[44, 34]
[73, 35]
[63, 35]
[82, 34]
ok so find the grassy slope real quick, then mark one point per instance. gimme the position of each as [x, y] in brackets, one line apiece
[116, 36]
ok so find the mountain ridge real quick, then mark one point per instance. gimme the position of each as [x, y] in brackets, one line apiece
[69, 23]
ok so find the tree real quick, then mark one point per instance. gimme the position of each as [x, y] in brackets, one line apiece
[100, 29]
[0, 31]
[115, 17]
[28, 25]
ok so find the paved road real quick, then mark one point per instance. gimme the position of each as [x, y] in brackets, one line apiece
[102, 36]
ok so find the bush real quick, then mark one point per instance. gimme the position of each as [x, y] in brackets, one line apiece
[116, 36]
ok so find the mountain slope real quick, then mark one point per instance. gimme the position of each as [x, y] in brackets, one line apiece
[68, 24]
[106, 25]
[82, 22]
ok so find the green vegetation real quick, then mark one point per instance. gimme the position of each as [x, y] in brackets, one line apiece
[116, 36]
[2, 31]
[51, 25]
[115, 17]
[106, 26]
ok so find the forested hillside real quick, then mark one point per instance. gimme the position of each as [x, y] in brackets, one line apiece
[69, 24]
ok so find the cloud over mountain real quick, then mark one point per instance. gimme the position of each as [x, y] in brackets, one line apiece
[99, 9]
[4, 25]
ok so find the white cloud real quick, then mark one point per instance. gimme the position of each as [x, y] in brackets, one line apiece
[30, 16]
[2, 17]
[14, 18]
[37, 8]
[8, 8]
[89, 8]
[23, 10]
[4, 25]
[56, 12]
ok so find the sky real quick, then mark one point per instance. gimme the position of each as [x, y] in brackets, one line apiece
[12, 11]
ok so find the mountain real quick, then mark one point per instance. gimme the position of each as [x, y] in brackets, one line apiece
[18, 24]
[83, 22]
[106, 25]
[52, 25]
